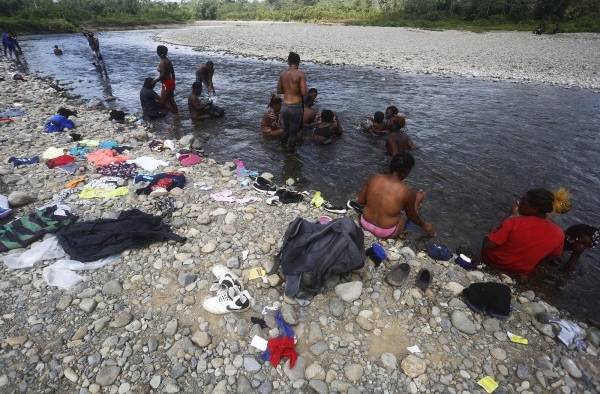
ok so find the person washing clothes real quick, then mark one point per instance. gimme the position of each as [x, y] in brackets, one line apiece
[527, 238]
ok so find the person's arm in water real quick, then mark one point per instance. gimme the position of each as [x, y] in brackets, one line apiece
[337, 128]
[413, 214]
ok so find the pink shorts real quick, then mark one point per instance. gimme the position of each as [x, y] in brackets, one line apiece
[377, 231]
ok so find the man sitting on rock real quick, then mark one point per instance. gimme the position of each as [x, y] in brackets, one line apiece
[389, 202]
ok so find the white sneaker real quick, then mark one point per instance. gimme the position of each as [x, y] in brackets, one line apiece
[225, 278]
[229, 300]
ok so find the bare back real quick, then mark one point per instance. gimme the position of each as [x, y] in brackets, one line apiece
[292, 83]
[385, 198]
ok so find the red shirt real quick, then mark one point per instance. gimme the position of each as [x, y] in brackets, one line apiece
[523, 241]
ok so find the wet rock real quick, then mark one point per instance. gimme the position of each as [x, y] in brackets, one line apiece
[350, 291]
[462, 323]
[413, 366]
[107, 375]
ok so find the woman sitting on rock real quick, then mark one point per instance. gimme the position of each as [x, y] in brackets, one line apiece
[270, 125]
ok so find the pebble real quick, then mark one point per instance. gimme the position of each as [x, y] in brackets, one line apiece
[498, 354]
[201, 339]
[389, 361]
[353, 372]
[314, 371]
[209, 247]
[413, 366]
[88, 305]
[336, 307]
[462, 323]
[171, 328]
[70, 374]
[107, 375]
[349, 291]
[18, 199]
[155, 381]
[251, 365]
[319, 386]
[112, 288]
[63, 302]
[571, 368]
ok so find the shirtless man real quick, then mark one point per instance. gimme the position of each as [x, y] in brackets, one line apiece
[292, 84]
[167, 77]
[389, 202]
[204, 74]
[394, 121]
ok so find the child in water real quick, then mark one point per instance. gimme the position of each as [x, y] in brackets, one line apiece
[376, 124]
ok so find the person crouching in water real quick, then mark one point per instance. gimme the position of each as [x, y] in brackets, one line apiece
[527, 238]
[201, 108]
[150, 101]
[389, 202]
[57, 51]
[327, 128]
[270, 125]
[579, 238]
[398, 141]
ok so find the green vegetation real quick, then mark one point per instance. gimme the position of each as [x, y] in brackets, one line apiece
[475, 15]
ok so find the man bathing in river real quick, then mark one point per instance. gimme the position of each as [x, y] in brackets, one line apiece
[167, 77]
[389, 202]
[204, 74]
[292, 84]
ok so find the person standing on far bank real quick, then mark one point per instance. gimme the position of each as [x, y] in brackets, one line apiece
[292, 84]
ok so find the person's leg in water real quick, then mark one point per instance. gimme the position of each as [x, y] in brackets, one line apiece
[5, 48]
[418, 198]
[292, 115]
[167, 100]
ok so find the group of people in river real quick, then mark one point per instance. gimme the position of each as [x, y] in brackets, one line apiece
[522, 241]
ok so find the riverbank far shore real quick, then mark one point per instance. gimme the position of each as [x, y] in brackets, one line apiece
[138, 325]
[569, 60]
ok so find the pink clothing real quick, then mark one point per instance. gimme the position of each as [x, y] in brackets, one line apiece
[104, 157]
[377, 231]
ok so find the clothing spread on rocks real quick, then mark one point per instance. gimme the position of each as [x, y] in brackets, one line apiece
[93, 240]
[28, 229]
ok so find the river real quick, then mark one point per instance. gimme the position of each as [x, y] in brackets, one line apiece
[480, 143]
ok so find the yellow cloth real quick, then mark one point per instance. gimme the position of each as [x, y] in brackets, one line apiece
[488, 383]
[90, 192]
[317, 200]
[52, 153]
[89, 143]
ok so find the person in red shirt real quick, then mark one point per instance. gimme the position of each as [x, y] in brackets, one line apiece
[527, 238]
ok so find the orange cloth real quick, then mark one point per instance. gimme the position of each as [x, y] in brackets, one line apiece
[104, 157]
[169, 85]
[74, 182]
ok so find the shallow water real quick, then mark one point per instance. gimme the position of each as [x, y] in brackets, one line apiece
[481, 143]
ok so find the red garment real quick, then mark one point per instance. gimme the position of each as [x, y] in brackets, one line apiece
[523, 242]
[60, 161]
[163, 183]
[282, 347]
[169, 85]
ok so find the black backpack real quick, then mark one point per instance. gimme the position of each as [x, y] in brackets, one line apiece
[311, 253]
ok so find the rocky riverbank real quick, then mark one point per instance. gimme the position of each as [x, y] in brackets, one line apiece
[137, 325]
[565, 59]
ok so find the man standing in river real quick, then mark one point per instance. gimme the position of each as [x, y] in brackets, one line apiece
[292, 84]
[167, 77]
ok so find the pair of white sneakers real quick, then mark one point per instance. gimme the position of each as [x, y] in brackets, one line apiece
[231, 296]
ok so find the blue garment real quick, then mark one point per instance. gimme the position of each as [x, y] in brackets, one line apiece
[439, 252]
[12, 113]
[79, 151]
[58, 123]
[20, 161]
[108, 144]
[5, 38]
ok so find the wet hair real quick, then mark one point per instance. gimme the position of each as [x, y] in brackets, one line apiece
[210, 63]
[293, 59]
[162, 50]
[541, 199]
[56, 46]
[148, 82]
[378, 117]
[62, 111]
[275, 99]
[392, 109]
[402, 163]
[312, 90]
[327, 115]
[581, 230]
[401, 121]
[197, 86]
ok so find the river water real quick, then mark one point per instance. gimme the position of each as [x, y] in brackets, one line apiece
[480, 143]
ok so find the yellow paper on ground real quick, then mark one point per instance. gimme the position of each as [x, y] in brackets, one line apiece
[488, 383]
[256, 273]
[517, 339]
